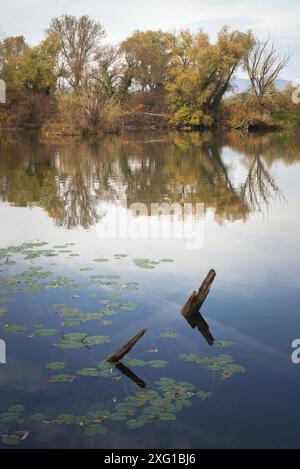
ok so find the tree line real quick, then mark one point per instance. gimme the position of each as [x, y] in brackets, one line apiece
[74, 82]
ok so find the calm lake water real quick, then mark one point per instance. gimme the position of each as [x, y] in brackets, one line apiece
[70, 296]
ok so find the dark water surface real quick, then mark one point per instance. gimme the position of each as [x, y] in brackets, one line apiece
[60, 276]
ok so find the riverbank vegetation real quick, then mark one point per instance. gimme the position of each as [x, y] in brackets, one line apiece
[74, 83]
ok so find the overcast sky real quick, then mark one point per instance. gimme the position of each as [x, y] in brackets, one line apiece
[280, 18]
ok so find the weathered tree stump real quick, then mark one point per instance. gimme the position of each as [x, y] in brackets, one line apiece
[116, 357]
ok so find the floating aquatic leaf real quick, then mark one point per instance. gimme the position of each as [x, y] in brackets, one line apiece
[38, 417]
[42, 331]
[86, 269]
[168, 335]
[88, 372]
[230, 369]
[145, 263]
[135, 362]
[79, 340]
[12, 414]
[96, 340]
[118, 417]
[61, 378]
[14, 328]
[95, 429]
[119, 256]
[10, 440]
[101, 260]
[157, 363]
[203, 395]
[106, 323]
[223, 343]
[128, 306]
[72, 341]
[166, 260]
[223, 363]
[167, 416]
[130, 286]
[7, 299]
[55, 365]
[64, 419]
[133, 424]
[3, 310]
[190, 357]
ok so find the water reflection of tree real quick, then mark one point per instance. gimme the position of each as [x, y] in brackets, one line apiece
[259, 187]
[69, 179]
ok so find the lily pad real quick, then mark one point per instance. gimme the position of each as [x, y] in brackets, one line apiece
[61, 378]
[15, 328]
[223, 343]
[128, 306]
[145, 263]
[203, 395]
[168, 335]
[55, 365]
[157, 363]
[88, 372]
[3, 310]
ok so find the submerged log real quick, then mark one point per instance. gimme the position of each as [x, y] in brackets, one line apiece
[197, 299]
[116, 357]
[127, 372]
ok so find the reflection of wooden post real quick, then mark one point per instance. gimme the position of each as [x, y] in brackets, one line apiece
[197, 299]
[127, 372]
[116, 357]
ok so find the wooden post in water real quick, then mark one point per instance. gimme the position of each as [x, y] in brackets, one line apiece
[197, 299]
[116, 357]
[191, 309]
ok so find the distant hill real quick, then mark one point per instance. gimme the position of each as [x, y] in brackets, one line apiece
[242, 84]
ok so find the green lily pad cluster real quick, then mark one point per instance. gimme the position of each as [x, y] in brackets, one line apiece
[12, 415]
[42, 331]
[144, 407]
[220, 363]
[145, 263]
[75, 316]
[103, 369]
[80, 340]
[152, 363]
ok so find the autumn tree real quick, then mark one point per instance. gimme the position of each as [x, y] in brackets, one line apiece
[108, 69]
[200, 74]
[79, 39]
[11, 49]
[36, 67]
[146, 54]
